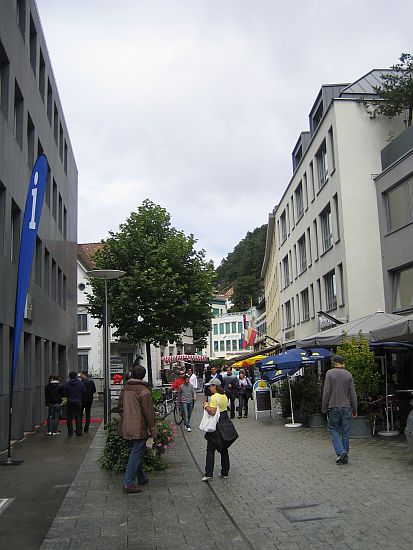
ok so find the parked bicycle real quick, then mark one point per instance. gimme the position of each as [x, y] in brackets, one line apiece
[166, 402]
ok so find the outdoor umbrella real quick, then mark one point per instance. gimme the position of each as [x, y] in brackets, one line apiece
[249, 361]
[274, 367]
[399, 330]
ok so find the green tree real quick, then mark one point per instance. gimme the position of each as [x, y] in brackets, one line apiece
[360, 361]
[396, 91]
[167, 283]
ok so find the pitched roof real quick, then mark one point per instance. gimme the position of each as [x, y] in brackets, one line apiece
[85, 252]
[364, 85]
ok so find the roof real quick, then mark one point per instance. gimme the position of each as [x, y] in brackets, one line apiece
[85, 252]
[364, 85]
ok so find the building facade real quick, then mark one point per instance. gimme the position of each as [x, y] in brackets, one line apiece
[32, 123]
[326, 247]
[394, 188]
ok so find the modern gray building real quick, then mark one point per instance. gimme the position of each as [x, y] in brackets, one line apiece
[394, 187]
[31, 123]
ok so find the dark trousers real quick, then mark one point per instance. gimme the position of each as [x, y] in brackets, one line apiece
[74, 411]
[86, 411]
[210, 460]
[243, 404]
[231, 399]
[53, 418]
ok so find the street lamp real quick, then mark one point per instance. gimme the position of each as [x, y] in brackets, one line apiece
[106, 274]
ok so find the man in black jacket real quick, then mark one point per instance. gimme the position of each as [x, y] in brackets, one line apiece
[53, 394]
[87, 397]
[74, 390]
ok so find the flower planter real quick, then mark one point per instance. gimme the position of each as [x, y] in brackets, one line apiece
[317, 420]
[360, 427]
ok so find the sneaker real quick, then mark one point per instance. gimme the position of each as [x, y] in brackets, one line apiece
[56, 433]
[132, 489]
[223, 476]
[188, 430]
[342, 459]
[49, 433]
[206, 478]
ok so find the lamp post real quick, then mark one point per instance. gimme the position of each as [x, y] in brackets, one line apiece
[106, 274]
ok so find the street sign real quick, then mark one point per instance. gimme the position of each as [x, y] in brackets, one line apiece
[117, 367]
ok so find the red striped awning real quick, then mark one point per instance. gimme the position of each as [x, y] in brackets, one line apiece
[189, 358]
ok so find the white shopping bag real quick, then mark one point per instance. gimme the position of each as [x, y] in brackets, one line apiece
[208, 422]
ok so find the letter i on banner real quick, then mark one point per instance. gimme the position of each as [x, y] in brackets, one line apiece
[31, 219]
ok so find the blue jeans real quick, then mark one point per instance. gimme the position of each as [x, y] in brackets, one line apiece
[339, 426]
[53, 418]
[187, 412]
[134, 469]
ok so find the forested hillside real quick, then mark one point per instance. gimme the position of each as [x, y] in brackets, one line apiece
[242, 269]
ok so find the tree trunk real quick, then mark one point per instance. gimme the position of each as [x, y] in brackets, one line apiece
[149, 363]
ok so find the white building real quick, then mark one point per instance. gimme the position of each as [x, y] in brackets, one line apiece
[326, 245]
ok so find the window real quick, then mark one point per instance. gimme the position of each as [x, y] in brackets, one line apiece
[315, 232]
[403, 288]
[82, 324]
[221, 345]
[309, 246]
[215, 329]
[30, 142]
[46, 271]
[318, 115]
[233, 327]
[337, 215]
[54, 200]
[49, 102]
[298, 156]
[65, 158]
[302, 254]
[55, 123]
[215, 345]
[21, 16]
[59, 287]
[312, 300]
[61, 142]
[64, 223]
[2, 215]
[312, 181]
[331, 290]
[82, 360]
[305, 305]
[4, 81]
[341, 284]
[326, 233]
[239, 326]
[33, 45]
[322, 165]
[18, 115]
[283, 221]
[331, 146]
[39, 262]
[299, 201]
[42, 75]
[227, 345]
[400, 205]
[286, 271]
[227, 328]
[287, 312]
[305, 190]
[234, 345]
[54, 280]
[221, 328]
[64, 292]
[215, 311]
[47, 192]
[15, 232]
[60, 214]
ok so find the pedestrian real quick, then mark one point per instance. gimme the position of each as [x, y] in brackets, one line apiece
[192, 379]
[230, 382]
[208, 375]
[87, 398]
[74, 390]
[137, 423]
[340, 402]
[244, 391]
[178, 381]
[186, 399]
[53, 394]
[224, 435]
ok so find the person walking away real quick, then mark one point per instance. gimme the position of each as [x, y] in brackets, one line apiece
[192, 379]
[74, 390]
[230, 382]
[340, 402]
[186, 399]
[224, 435]
[137, 423]
[244, 390]
[53, 394]
[87, 398]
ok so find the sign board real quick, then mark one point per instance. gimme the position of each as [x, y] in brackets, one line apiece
[189, 349]
[117, 367]
[262, 397]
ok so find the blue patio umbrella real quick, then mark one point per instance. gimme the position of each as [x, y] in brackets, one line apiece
[285, 363]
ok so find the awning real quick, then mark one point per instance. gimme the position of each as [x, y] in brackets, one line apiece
[253, 354]
[249, 361]
[168, 359]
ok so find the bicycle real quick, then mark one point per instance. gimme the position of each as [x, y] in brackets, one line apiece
[168, 403]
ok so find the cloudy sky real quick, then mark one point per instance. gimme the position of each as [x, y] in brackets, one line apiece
[197, 104]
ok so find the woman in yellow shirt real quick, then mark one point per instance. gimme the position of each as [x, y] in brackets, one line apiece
[224, 435]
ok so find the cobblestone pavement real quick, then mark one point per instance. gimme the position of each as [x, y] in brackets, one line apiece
[284, 492]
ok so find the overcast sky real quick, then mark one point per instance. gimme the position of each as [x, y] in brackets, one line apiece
[197, 104]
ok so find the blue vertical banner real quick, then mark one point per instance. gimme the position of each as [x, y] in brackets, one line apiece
[31, 219]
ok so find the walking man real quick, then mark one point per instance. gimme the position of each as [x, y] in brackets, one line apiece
[186, 399]
[340, 402]
[230, 382]
[74, 391]
[87, 397]
[137, 422]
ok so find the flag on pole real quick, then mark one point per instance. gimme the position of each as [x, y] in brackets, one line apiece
[243, 342]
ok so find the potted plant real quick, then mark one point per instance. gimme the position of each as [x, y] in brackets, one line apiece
[310, 406]
[360, 361]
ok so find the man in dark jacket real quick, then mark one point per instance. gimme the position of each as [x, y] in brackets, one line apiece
[230, 383]
[87, 397]
[137, 422]
[53, 394]
[74, 390]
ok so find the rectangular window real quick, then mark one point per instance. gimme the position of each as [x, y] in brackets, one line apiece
[47, 192]
[60, 214]
[286, 271]
[55, 123]
[305, 190]
[215, 345]
[49, 102]
[15, 232]
[312, 300]
[227, 345]
[322, 165]
[39, 262]
[82, 322]
[320, 303]
[83, 361]
[215, 311]
[65, 158]
[299, 201]
[326, 228]
[21, 17]
[239, 326]
[221, 345]
[2, 216]
[33, 45]
[341, 284]
[54, 200]
[64, 223]
[312, 181]
[283, 221]
[318, 115]
[403, 288]
[42, 75]
[309, 247]
[331, 290]
[46, 271]
[221, 328]
[305, 305]
[234, 327]
[337, 216]
[215, 329]
[315, 232]
[399, 202]
[227, 328]
[4, 81]
[30, 142]
[54, 280]
[287, 312]
[302, 254]
[18, 115]
[331, 147]
[59, 286]
[234, 345]
[61, 142]
[64, 291]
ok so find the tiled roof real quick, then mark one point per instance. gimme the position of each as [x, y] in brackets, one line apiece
[85, 252]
